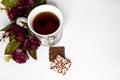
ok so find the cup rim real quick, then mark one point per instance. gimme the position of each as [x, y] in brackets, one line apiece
[46, 5]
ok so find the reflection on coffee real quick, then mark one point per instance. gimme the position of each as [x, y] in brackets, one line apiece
[46, 23]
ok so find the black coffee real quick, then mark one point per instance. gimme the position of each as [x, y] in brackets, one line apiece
[46, 23]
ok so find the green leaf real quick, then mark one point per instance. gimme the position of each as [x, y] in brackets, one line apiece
[2, 9]
[10, 3]
[6, 28]
[12, 37]
[30, 35]
[39, 2]
[8, 58]
[33, 54]
[43, 2]
[12, 46]
[25, 25]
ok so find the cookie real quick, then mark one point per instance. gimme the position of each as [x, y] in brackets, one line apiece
[60, 65]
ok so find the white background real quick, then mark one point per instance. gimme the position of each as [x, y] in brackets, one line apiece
[91, 38]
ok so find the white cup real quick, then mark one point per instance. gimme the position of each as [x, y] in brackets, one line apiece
[48, 39]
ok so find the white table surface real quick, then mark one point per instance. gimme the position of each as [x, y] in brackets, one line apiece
[91, 38]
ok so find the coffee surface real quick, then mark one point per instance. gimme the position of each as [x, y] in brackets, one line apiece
[45, 23]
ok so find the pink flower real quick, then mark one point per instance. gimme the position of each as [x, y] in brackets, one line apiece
[20, 37]
[15, 28]
[20, 10]
[19, 56]
[32, 44]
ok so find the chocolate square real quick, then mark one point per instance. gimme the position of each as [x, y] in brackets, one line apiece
[54, 51]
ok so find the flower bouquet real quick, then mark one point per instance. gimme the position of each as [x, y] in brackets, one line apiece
[22, 41]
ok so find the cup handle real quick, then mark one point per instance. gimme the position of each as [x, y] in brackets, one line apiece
[20, 20]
